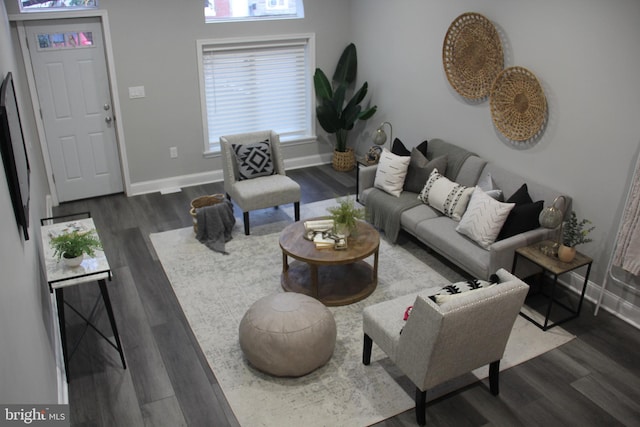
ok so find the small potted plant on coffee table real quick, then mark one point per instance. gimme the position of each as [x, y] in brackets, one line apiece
[71, 247]
[345, 216]
[574, 233]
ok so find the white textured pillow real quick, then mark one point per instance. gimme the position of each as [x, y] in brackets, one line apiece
[392, 170]
[446, 196]
[484, 218]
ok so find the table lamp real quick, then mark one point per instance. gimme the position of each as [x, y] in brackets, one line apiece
[380, 137]
[551, 218]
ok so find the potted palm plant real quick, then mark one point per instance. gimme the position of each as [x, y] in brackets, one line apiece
[345, 216]
[574, 233]
[72, 246]
[336, 112]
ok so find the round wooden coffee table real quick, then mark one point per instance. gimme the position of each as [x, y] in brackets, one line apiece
[334, 277]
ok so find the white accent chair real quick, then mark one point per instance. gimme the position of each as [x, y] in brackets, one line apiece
[263, 191]
[440, 342]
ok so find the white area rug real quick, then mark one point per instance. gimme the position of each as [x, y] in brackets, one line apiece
[215, 291]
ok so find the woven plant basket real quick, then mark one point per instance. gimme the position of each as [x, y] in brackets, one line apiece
[472, 55]
[518, 104]
[201, 202]
[343, 161]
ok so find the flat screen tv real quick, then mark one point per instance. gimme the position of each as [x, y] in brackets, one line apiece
[14, 154]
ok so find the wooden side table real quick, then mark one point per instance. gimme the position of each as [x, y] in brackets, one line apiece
[555, 267]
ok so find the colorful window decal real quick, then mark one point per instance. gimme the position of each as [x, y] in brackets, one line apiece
[71, 40]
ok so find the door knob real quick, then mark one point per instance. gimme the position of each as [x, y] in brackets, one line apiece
[106, 107]
[108, 119]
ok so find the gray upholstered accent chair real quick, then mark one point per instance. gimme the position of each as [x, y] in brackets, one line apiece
[440, 342]
[263, 191]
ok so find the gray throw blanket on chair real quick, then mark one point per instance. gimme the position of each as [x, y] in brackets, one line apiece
[215, 223]
[383, 210]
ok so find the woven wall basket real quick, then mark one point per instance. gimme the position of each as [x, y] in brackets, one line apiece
[518, 104]
[472, 55]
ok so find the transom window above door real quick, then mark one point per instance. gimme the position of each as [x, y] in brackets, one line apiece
[55, 5]
[248, 10]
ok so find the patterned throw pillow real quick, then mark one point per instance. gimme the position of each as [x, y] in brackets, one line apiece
[446, 196]
[253, 159]
[451, 291]
[484, 218]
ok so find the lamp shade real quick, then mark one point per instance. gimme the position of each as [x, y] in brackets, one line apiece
[380, 137]
[552, 216]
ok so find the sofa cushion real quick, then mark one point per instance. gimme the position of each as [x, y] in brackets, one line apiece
[440, 235]
[420, 168]
[410, 218]
[484, 217]
[253, 159]
[447, 196]
[391, 172]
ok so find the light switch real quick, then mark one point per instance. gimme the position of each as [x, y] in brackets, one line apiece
[136, 92]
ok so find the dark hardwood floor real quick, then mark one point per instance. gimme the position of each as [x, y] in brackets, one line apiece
[593, 380]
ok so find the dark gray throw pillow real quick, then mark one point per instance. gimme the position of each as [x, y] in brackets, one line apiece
[420, 168]
[253, 159]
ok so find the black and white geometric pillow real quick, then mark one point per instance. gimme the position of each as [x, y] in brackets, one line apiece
[253, 159]
[460, 287]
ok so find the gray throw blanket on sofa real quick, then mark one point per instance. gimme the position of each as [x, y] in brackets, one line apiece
[383, 210]
[215, 223]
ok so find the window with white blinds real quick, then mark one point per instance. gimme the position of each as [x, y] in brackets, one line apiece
[251, 85]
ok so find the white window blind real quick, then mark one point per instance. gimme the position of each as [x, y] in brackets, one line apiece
[253, 86]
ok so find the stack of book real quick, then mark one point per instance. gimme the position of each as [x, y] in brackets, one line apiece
[320, 232]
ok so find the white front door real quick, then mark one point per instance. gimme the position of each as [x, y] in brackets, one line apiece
[72, 82]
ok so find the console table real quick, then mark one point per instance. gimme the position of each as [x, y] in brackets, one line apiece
[60, 276]
[555, 267]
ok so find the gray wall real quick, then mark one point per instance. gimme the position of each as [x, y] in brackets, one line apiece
[154, 45]
[585, 55]
[27, 361]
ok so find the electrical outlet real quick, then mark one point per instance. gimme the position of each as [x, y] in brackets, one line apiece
[173, 152]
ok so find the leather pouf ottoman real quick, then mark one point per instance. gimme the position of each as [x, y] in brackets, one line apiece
[288, 334]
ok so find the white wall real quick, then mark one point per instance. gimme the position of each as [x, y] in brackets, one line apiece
[585, 55]
[27, 363]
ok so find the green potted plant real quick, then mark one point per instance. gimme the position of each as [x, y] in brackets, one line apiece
[574, 233]
[336, 112]
[72, 246]
[345, 216]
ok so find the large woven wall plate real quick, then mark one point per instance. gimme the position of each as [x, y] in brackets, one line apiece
[518, 104]
[472, 55]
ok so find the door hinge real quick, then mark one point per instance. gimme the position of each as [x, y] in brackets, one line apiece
[53, 177]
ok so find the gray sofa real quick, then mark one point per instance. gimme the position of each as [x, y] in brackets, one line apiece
[438, 232]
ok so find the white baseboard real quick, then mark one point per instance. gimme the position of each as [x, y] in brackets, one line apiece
[170, 184]
[611, 302]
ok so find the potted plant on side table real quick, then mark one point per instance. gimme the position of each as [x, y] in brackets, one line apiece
[337, 113]
[71, 247]
[574, 233]
[345, 216]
